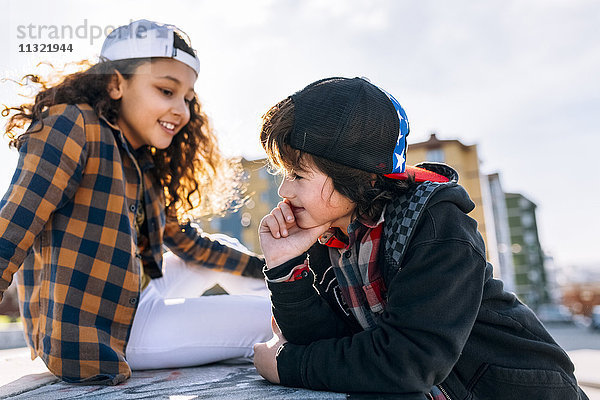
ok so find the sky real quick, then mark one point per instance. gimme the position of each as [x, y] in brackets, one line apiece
[519, 78]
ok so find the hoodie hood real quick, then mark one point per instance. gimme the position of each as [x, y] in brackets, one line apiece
[453, 192]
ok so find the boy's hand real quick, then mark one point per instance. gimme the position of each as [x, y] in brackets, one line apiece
[281, 239]
[265, 355]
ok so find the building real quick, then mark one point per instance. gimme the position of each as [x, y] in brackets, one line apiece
[528, 257]
[504, 260]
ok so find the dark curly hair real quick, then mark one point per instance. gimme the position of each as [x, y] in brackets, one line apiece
[370, 192]
[192, 170]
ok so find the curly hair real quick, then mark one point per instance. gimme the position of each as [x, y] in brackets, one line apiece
[196, 178]
[368, 191]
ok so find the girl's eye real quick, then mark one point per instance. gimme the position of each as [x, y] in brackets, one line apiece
[166, 92]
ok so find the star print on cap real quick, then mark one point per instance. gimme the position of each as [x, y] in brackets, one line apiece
[399, 156]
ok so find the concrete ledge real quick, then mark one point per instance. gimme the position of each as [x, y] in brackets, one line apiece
[30, 380]
[11, 336]
[21, 378]
[19, 374]
[213, 381]
[26, 384]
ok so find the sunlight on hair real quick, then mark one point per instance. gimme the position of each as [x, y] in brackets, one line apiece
[47, 75]
[54, 74]
[226, 191]
[28, 86]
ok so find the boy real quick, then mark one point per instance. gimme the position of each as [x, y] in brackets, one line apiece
[378, 278]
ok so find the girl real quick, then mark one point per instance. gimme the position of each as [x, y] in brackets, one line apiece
[112, 158]
[378, 278]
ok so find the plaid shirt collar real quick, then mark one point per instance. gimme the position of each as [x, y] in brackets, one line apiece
[356, 268]
[142, 155]
[334, 238]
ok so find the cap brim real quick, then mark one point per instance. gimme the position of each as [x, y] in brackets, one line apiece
[420, 175]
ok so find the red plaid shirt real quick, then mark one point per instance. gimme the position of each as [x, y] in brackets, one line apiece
[357, 270]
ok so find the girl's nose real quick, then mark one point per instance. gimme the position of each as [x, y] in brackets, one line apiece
[181, 108]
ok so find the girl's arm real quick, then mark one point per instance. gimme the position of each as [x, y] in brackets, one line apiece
[49, 170]
[193, 245]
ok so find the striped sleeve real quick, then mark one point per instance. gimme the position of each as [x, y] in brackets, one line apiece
[191, 244]
[49, 169]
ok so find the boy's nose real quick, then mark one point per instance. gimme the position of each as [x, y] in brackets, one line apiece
[284, 188]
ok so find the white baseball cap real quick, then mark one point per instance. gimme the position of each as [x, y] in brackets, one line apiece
[146, 39]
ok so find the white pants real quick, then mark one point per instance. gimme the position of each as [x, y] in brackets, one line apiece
[174, 326]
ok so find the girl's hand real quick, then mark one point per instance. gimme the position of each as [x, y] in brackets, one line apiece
[265, 355]
[281, 239]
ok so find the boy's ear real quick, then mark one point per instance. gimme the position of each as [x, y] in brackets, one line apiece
[115, 86]
[373, 180]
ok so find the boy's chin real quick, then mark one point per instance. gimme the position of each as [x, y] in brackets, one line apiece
[307, 224]
[304, 224]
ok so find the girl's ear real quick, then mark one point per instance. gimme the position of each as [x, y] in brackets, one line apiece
[115, 86]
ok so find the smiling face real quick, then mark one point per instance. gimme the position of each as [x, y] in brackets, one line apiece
[314, 201]
[154, 102]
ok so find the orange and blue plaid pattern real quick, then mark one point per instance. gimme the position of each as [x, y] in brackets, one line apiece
[67, 227]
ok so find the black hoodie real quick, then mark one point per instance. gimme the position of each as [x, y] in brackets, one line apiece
[447, 322]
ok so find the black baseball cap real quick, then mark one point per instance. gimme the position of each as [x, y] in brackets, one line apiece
[354, 123]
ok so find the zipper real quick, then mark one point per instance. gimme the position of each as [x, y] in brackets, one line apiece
[444, 391]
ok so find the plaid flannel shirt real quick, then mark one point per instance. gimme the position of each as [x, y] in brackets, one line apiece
[358, 274]
[357, 271]
[67, 226]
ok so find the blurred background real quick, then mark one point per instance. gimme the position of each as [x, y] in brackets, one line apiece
[507, 92]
